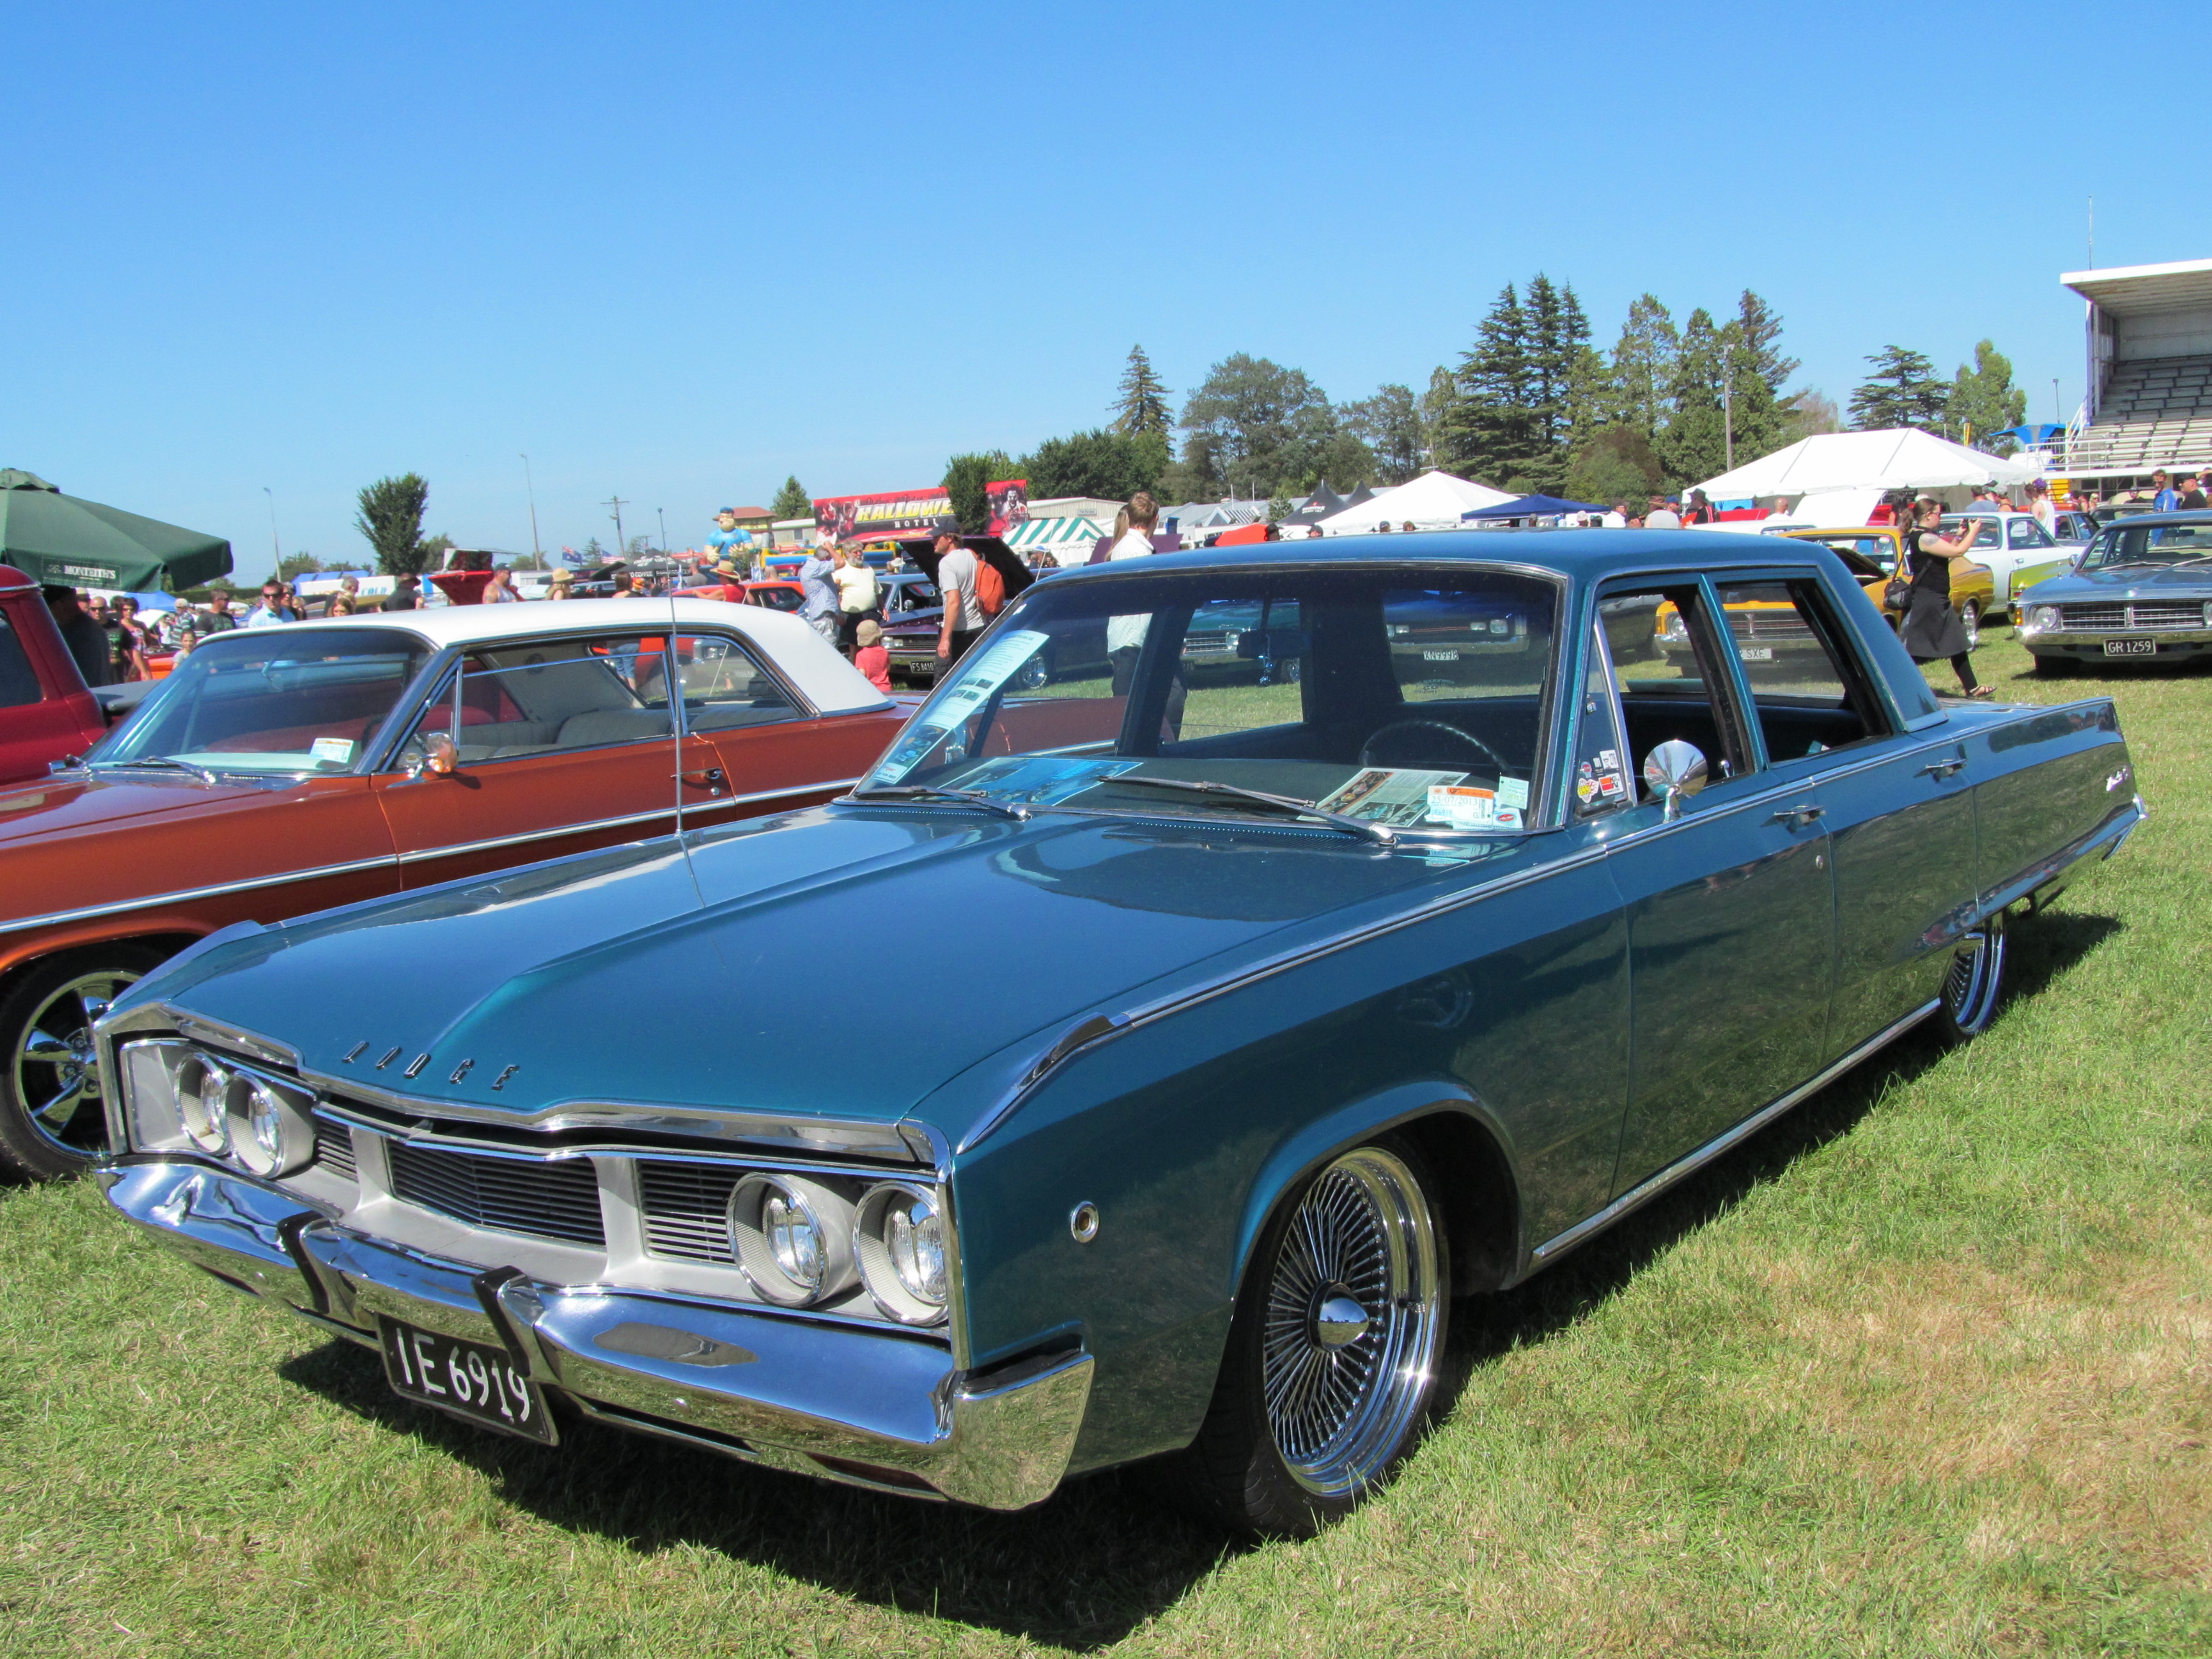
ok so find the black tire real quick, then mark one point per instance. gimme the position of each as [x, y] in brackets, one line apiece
[1973, 987]
[52, 1119]
[2052, 667]
[1308, 1416]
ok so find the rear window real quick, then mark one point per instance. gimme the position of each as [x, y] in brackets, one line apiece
[18, 681]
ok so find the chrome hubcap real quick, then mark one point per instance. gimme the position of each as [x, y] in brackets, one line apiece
[1970, 989]
[1348, 1346]
[55, 1070]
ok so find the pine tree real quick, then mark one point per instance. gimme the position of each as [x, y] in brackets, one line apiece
[1903, 390]
[1495, 427]
[1643, 367]
[1693, 444]
[1142, 406]
[1558, 344]
[792, 502]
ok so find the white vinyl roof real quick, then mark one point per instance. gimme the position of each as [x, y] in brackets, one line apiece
[2134, 290]
[822, 676]
[1894, 457]
[1435, 500]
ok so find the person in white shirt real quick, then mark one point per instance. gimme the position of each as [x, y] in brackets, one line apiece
[1125, 635]
[856, 597]
[501, 589]
[1662, 516]
[2039, 503]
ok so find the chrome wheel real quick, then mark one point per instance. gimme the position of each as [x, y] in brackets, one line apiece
[1971, 988]
[1970, 620]
[1348, 1340]
[53, 1069]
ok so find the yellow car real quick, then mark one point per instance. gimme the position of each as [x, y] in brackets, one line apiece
[1873, 553]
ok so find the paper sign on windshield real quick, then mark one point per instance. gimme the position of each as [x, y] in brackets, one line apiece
[980, 675]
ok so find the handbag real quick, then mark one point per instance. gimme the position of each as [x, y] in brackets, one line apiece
[1898, 596]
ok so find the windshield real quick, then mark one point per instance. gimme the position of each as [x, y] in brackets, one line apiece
[272, 700]
[2127, 543]
[1401, 697]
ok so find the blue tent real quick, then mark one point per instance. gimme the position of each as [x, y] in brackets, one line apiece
[1528, 507]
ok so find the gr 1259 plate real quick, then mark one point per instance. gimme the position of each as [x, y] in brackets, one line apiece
[474, 1380]
[2131, 648]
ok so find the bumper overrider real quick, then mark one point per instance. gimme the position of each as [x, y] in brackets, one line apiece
[863, 1408]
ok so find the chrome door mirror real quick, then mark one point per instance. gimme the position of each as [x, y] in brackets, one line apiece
[436, 756]
[1674, 771]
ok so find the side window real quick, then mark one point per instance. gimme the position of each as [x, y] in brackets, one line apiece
[2026, 532]
[547, 696]
[18, 681]
[1671, 682]
[725, 688]
[1808, 692]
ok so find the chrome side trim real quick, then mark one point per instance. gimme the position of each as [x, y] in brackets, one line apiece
[827, 786]
[1549, 1251]
[185, 895]
[2113, 830]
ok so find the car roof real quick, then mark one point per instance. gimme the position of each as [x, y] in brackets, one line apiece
[1586, 556]
[823, 675]
[2131, 519]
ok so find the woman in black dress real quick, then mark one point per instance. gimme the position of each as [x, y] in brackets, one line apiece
[1931, 630]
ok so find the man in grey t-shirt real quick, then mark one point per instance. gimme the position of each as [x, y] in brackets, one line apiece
[956, 566]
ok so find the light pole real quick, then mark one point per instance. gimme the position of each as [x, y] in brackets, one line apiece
[530, 484]
[622, 547]
[274, 547]
[1728, 403]
[663, 512]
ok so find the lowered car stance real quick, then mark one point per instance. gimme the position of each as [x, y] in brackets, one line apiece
[1270, 1020]
[285, 770]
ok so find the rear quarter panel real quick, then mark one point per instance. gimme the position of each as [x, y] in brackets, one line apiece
[2045, 778]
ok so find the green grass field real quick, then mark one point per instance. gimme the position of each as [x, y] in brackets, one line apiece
[1925, 1369]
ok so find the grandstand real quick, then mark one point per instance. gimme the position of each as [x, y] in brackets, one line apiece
[2149, 337]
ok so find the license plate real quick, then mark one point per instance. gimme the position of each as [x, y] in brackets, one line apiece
[474, 1380]
[1756, 653]
[2131, 648]
[1439, 656]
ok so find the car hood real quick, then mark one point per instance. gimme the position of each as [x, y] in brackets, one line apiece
[838, 963]
[72, 802]
[2123, 582]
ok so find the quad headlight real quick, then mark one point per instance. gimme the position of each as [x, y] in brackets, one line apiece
[901, 1247]
[200, 1086]
[177, 1097]
[793, 1238]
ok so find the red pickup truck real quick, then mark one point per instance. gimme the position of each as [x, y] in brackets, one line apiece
[46, 709]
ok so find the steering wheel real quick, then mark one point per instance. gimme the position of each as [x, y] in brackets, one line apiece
[1367, 749]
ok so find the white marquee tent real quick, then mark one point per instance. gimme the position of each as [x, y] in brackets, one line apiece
[1896, 458]
[1435, 500]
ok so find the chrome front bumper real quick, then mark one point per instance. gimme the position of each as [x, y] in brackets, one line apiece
[882, 1410]
[2076, 639]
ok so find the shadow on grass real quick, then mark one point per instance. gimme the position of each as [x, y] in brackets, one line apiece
[1105, 1555]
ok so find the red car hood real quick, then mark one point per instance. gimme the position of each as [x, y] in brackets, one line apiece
[61, 806]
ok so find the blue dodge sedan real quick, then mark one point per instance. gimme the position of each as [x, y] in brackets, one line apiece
[1259, 1024]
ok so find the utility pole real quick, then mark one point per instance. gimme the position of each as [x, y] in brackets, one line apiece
[663, 511]
[622, 547]
[530, 485]
[1727, 403]
[275, 549]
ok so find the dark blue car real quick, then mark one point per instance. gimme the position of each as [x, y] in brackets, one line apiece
[2140, 591]
[1139, 1063]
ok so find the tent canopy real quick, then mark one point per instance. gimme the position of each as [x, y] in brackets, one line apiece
[1051, 532]
[1435, 500]
[1895, 458]
[54, 537]
[1529, 507]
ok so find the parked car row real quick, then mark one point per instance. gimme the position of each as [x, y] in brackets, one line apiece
[1321, 940]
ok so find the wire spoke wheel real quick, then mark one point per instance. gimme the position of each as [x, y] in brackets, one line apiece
[1350, 1323]
[53, 1070]
[1975, 981]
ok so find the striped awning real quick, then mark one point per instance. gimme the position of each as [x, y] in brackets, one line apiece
[1054, 533]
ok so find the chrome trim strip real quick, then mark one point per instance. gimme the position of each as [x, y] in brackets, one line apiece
[455, 850]
[2114, 829]
[187, 894]
[1652, 1186]
[815, 1160]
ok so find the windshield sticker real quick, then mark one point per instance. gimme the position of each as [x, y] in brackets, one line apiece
[332, 752]
[1386, 795]
[1041, 779]
[1471, 809]
[1513, 791]
[981, 676]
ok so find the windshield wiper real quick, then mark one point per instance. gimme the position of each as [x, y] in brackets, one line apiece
[1366, 829]
[204, 774]
[930, 791]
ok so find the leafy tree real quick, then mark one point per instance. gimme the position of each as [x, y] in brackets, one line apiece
[1903, 390]
[1643, 365]
[1106, 465]
[1142, 406]
[1984, 399]
[1616, 464]
[1389, 423]
[1264, 426]
[1807, 412]
[297, 564]
[792, 502]
[433, 550]
[1197, 474]
[1755, 372]
[1437, 409]
[391, 517]
[964, 478]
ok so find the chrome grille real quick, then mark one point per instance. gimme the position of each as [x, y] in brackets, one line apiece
[1769, 625]
[687, 1209]
[334, 1148]
[2092, 618]
[558, 1200]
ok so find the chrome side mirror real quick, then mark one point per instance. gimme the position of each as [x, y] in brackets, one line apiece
[1674, 771]
[438, 758]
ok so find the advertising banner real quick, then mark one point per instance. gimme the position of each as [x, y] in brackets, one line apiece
[896, 512]
[1009, 502]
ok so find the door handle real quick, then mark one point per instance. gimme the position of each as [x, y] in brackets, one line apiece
[711, 778]
[1799, 818]
[1943, 769]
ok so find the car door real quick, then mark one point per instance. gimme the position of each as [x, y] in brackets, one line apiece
[772, 750]
[559, 745]
[1730, 906]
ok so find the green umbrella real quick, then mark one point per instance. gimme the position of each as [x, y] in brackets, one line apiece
[53, 538]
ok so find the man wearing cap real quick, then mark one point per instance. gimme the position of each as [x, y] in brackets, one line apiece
[731, 544]
[956, 566]
[1663, 515]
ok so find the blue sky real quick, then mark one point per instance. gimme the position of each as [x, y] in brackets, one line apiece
[675, 252]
